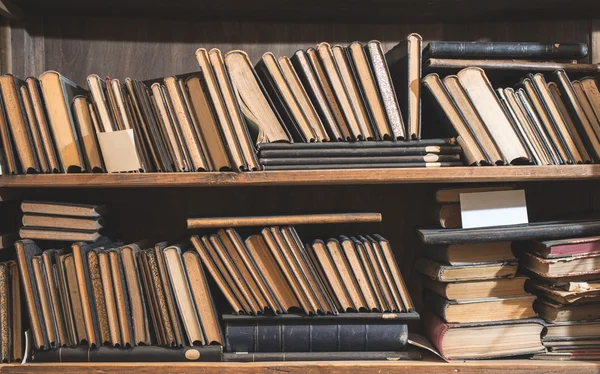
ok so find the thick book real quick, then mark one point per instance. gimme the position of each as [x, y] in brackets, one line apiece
[62, 222]
[567, 293]
[491, 288]
[62, 209]
[554, 312]
[494, 339]
[566, 247]
[294, 333]
[571, 330]
[66, 235]
[532, 231]
[569, 267]
[404, 61]
[450, 64]
[364, 166]
[505, 50]
[448, 273]
[464, 254]
[321, 356]
[480, 310]
[211, 353]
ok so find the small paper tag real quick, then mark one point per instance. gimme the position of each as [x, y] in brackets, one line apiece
[118, 150]
[494, 208]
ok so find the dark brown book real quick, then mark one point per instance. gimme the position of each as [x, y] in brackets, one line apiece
[34, 131]
[404, 62]
[155, 287]
[62, 209]
[516, 65]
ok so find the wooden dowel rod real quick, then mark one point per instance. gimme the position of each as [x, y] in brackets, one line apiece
[306, 219]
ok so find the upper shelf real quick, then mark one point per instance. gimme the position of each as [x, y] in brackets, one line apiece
[463, 174]
[374, 11]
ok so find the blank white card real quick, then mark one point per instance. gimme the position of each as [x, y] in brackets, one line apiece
[494, 208]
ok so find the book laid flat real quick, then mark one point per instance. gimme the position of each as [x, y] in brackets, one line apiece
[481, 309]
[63, 209]
[464, 254]
[571, 330]
[532, 231]
[321, 356]
[554, 312]
[569, 293]
[566, 247]
[505, 50]
[587, 265]
[404, 61]
[135, 354]
[48, 221]
[43, 233]
[295, 333]
[495, 339]
[436, 64]
[87, 134]
[491, 288]
[449, 273]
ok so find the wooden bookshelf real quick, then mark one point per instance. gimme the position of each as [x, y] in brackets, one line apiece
[309, 177]
[357, 367]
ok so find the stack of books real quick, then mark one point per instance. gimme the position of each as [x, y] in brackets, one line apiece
[565, 275]
[62, 221]
[108, 295]
[531, 117]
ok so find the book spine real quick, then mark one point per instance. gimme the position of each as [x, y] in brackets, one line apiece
[564, 51]
[321, 356]
[358, 145]
[364, 166]
[209, 353]
[315, 337]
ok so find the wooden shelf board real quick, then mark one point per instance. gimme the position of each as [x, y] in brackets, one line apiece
[412, 367]
[310, 177]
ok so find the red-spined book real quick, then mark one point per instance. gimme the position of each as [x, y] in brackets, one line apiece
[567, 247]
[467, 341]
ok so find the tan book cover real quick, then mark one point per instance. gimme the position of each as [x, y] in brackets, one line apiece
[87, 133]
[34, 131]
[168, 292]
[109, 299]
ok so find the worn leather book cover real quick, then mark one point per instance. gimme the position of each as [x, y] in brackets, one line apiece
[296, 333]
[17, 349]
[452, 65]
[65, 235]
[159, 311]
[566, 247]
[63, 209]
[310, 81]
[553, 312]
[589, 86]
[156, 328]
[99, 297]
[34, 130]
[70, 280]
[39, 110]
[65, 299]
[567, 294]
[451, 273]
[11, 164]
[399, 283]
[225, 127]
[321, 356]
[359, 152]
[174, 316]
[480, 289]
[586, 105]
[108, 290]
[50, 259]
[382, 279]
[58, 93]
[359, 272]
[363, 166]
[336, 252]
[212, 353]
[121, 298]
[505, 50]
[474, 152]
[238, 125]
[404, 61]
[45, 301]
[137, 302]
[87, 135]
[18, 125]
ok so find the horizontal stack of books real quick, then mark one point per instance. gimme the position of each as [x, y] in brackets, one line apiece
[61, 221]
[531, 117]
[565, 275]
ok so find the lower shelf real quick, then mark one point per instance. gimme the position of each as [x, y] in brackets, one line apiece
[409, 367]
[460, 174]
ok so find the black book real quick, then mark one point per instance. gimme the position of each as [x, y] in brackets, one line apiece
[350, 332]
[363, 166]
[531, 231]
[360, 152]
[208, 353]
[359, 145]
[507, 50]
[322, 356]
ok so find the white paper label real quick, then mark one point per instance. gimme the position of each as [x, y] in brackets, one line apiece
[118, 150]
[494, 208]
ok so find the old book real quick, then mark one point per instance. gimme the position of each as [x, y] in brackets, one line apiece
[5, 313]
[122, 113]
[525, 126]
[121, 298]
[474, 152]
[87, 135]
[190, 138]
[447, 273]
[452, 194]
[435, 64]
[328, 91]
[155, 286]
[50, 258]
[65, 300]
[464, 254]
[294, 152]
[527, 107]
[562, 267]
[568, 293]
[495, 339]
[325, 57]
[400, 304]
[237, 121]
[398, 161]
[404, 62]
[481, 309]
[62, 209]
[382, 279]
[566, 247]
[172, 131]
[95, 279]
[10, 163]
[175, 317]
[41, 233]
[359, 273]
[139, 119]
[183, 296]
[294, 333]
[321, 356]
[255, 105]
[155, 320]
[343, 166]
[589, 86]
[399, 283]
[583, 124]
[556, 95]
[109, 299]
[16, 118]
[202, 298]
[137, 301]
[586, 106]
[532, 231]
[98, 97]
[284, 99]
[207, 117]
[485, 101]
[221, 111]
[382, 77]
[439, 142]
[74, 299]
[344, 268]
[365, 259]
[33, 86]
[34, 130]
[302, 98]
[481, 289]
[553, 312]
[16, 350]
[70, 223]
[332, 275]
[350, 84]
[131, 354]
[44, 300]
[507, 50]
[472, 119]
[112, 105]
[316, 94]
[566, 330]
[449, 216]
